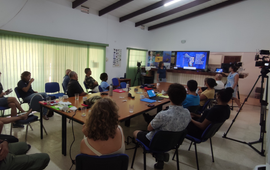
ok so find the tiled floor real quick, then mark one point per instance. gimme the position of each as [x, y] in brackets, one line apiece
[228, 154]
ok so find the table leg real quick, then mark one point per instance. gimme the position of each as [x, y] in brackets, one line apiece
[64, 135]
[41, 122]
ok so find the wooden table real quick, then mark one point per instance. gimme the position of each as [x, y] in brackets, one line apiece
[139, 108]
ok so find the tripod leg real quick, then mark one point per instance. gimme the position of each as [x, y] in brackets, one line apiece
[225, 134]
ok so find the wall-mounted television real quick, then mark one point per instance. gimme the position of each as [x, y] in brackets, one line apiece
[192, 60]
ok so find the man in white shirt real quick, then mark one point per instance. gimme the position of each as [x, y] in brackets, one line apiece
[220, 84]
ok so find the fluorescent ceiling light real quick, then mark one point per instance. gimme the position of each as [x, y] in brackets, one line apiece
[172, 2]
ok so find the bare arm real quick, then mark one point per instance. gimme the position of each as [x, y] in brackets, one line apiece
[150, 128]
[202, 125]
[203, 97]
[2, 94]
[236, 78]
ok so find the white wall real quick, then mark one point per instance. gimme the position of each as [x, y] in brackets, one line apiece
[43, 17]
[242, 27]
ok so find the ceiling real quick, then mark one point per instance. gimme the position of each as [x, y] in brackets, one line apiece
[154, 17]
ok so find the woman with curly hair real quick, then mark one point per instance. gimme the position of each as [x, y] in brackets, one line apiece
[102, 134]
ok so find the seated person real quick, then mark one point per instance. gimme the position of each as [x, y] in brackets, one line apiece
[26, 92]
[209, 93]
[102, 133]
[220, 84]
[104, 85]
[217, 114]
[10, 102]
[66, 80]
[13, 156]
[74, 86]
[192, 99]
[176, 118]
[90, 82]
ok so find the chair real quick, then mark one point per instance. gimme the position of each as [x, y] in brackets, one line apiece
[18, 96]
[87, 88]
[123, 85]
[53, 87]
[100, 89]
[105, 162]
[115, 83]
[162, 142]
[2, 109]
[206, 105]
[208, 133]
[27, 122]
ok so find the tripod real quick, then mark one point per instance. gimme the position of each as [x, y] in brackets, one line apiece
[264, 103]
[140, 77]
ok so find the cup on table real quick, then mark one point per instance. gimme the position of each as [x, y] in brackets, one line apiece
[61, 99]
[131, 108]
[65, 96]
[158, 84]
[48, 99]
[77, 96]
[84, 110]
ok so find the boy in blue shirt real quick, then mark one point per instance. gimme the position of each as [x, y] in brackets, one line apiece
[104, 85]
[192, 99]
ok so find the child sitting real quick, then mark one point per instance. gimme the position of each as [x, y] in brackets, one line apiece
[104, 85]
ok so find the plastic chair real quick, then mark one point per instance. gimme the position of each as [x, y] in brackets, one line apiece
[87, 89]
[162, 141]
[115, 83]
[123, 85]
[2, 109]
[105, 162]
[27, 122]
[100, 89]
[53, 87]
[208, 133]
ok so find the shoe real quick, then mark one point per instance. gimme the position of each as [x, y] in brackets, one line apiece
[16, 125]
[159, 165]
[164, 157]
[45, 117]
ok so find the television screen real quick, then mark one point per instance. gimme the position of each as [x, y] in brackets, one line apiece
[192, 60]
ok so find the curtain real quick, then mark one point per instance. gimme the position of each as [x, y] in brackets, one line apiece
[47, 60]
[134, 56]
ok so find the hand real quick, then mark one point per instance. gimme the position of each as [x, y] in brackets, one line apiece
[3, 150]
[31, 80]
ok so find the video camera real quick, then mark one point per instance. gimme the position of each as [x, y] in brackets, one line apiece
[139, 64]
[262, 59]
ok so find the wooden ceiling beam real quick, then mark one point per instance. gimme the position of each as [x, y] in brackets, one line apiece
[170, 12]
[194, 14]
[143, 10]
[113, 7]
[77, 3]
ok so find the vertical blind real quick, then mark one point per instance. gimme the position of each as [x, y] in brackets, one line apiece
[134, 56]
[47, 60]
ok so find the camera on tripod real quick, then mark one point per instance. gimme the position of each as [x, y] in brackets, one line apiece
[262, 59]
[139, 64]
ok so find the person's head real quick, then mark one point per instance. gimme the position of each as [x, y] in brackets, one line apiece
[73, 75]
[211, 83]
[68, 71]
[161, 64]
[218, 76]
[205, 80]
[88, 71]
[233, 69]
[177, 93]
[103, 76]
[26, 76]
[225, 95]
[102, 121]
[192, 85]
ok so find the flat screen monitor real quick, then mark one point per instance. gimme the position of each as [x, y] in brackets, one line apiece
[192, 60]
[219, 70]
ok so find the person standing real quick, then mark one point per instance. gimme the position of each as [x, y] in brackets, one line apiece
[232, 81]
[90, 82]
[161, 73]
[26, 92]
[66, 80]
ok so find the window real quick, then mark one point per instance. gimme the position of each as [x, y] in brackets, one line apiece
[134, 56]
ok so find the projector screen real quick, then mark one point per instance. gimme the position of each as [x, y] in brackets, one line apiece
[192, 60]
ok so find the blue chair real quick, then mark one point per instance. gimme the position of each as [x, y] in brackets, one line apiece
[54, 88]
[100, 89]
[123, 85]
[18, 95]
[208, 133]
[105, 162]
[115, 83]
[162, 141]
[2, 109]
[206, 105]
